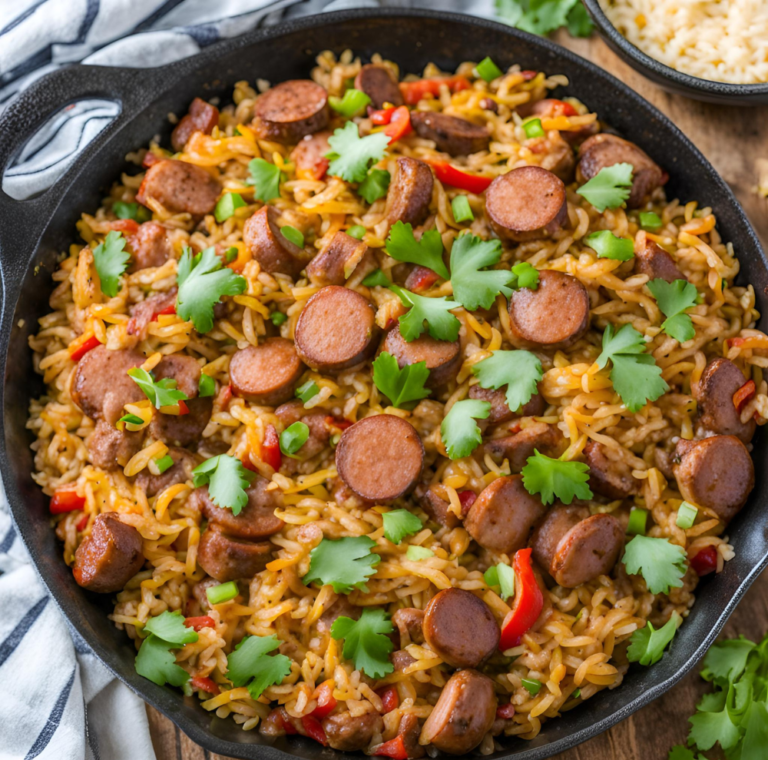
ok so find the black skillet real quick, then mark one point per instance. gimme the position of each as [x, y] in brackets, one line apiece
[34, 233]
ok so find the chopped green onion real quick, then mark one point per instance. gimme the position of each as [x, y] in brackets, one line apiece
[292, 234]
[532, 685]
[277, 318]
[206, 386]
[224, 592]
[461, 210]
[134, 211]
[488, 70]
[164, 463]
[576, 694]
[293, 438]
[307, 391]
[376, 278]
[533, 128]
[506, 580]
[416, 553]
[133, 419]
[491, 576]
[649, 220]
[686, 515]
[352, 103]
[226, 206]
[637, 521]
[608, 246]
[230, 255]
[186, 687]
[357, 232]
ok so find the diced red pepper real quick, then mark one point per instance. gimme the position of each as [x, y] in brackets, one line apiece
[561, 108]
[167, 310]
[383, 116]
[394, 748]
[528, 604]
[515, 428]
[225, 396]
[283, 720]
[528, 74]
[467, 499]
[129, 226]
[421, 279]
[732, 342]
[198, 623]
[183, 408]
[66, 500]
[505, 712]
[150, 159]
[338, 422]
[82, 523]
[270, 448]
[326, 702]
[705, 561]
[413, 92]
[389, 699]
[744, 395]
[450, 175]
[399, 124]
[314, 729]
[203, 683]
[84, 348]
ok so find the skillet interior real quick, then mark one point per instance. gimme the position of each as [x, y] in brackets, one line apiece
[34, 232]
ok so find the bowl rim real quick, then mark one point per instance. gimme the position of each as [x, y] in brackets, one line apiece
[660, 69]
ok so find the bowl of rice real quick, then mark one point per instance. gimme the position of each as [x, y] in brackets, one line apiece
[704, 49]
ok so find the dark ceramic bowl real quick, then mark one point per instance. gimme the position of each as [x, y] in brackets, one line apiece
[670, 79]
[34, 232]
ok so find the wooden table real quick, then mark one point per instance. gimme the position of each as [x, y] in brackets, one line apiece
[731, 139]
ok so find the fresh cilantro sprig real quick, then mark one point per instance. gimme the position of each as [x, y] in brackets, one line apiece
[436, 312]
[608, 246]
[399, 523]
[647, 645]
[161, 392]
[474, 288]
[155, 660]
[366, 642]
[520, 371]
[427, 252]
[661, 563]
[503, 576]
[459, 431]
[251, 664]
[375, 185]
[403, 387]
[545, 16]
[673, 299]
[351, 155]
[343, 563]
[526, 276]
[266, 178]
[609, 188]
[556, 478]
[202, 282]
[227, 481]
[169, 626]
[111, 260]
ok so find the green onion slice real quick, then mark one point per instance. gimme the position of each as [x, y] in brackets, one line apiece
[532, 685]
[686, 515]
[164, 463]
[226, 206]
[461, 210]
[637, 521]
[488, 70]
[533, 128]
[292, 234]
[224, 592]
[307, 391]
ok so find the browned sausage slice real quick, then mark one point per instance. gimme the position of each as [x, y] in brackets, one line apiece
[500, 411]
[274, 252]
[309, 156]
[436, 507]
[379, 84]
[255, 521]
[653, 260]
[266, 374]
[603, 150]
[518, 447]
[180, 187]
[380, 457]
[290, 110]
[149, 246]
[409, 620]
[558, 157]
[717, 473]
[110, 448]
[107, 559]
[463, 715]
[555, 315]
[609, 475]
[410, 730]
[351, 733]
[443, 357]
[336, 330]
[336, 262]
[526, 204]
[180, 472]
[410, 192]
[452, 135]
[503, 516]
[714, 393]
[202, 117]
[460, 628]
[228, 559]
[576, 548]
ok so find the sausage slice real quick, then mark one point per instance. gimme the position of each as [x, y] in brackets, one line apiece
[274, 252]
[266, 374]
[500, 411]
[336, 262]
[714, 394]
[608, 475]
[516, 448]
[110, 448]
[202, 117]
[379, 84]
[149, 246]
[107, 559]
[443, 357]
[290, 110]
[351, 733]
[180, 472]
[460, 628]
[463, 715]
[436, 507]
[336, 330]
[503, 516]
[227, 559]
[380, 457]
[715, 472]
[603, 150]
[180, 187]
[410, 620]
[147, 311]
[410, 192]
[653, 260]
[575, 548]
[452, 135]
[526, 204]
[555, 315]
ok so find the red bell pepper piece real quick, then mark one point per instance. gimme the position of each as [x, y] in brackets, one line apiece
[413, 92]
[129, 226]
[399, 124]
[705, 561]
[561, 108]
[381, 117]
[467, 499]
[338, 422]
[505, 712]
[66, 500]
[314, 729]
[270, 448]
[528, 604]
[183, 408]
[421, 279]
[82, 523]
[394, 748]
[389, 699]
[203, 683]
[528, 74]
[450, 175]
[744, 395]
[84, 348]
[326, 702]
[224, 397]
[198, 623]
[167, 310]
[281, 718]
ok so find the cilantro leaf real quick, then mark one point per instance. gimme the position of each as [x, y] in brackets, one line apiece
[265, 177]
[251, 660]
[756, 734]
[459, 431]
[709, 728]
[556, 478]
[428, 252]
[436, 312]
[418, 553]
[352, 103]
[111, 260]
[578, 22]
[399, 523]
[526, 276]
[647, 644]
[366, 642]
[473, 288]
[680, 752]
[403, 387]
[609, 188]
[680, 327]
[608, 246]
[726, 660]
[343, 563]
[202, 282]
[169, 626]
[227, 480]
[375, 185]
[661, 563]
[156, 662]
[626, 340]
[520, 371]
[160, 393]
[351, 154]
[673, 299]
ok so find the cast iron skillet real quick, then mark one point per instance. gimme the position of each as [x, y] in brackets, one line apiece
[33, 233]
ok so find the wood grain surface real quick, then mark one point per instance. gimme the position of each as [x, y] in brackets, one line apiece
[732, 139]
